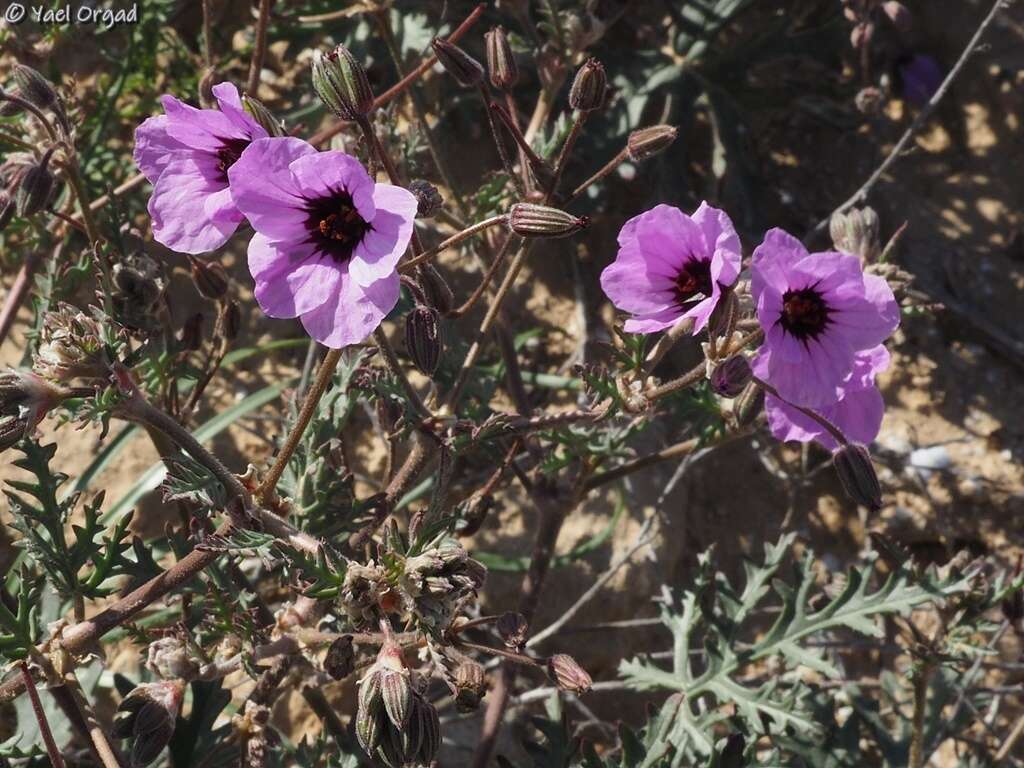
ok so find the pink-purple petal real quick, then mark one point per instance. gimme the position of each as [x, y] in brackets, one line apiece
[290, 280]
[382, 247]
[265, 190]
[353, 312]
[154, 148]
[177, 207]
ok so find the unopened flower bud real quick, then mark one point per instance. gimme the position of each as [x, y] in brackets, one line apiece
[467, 71]
[436, 290]
[7, 206]
[169, 658]
[146, 717]
[340, 660]
[27, 397]
[529, 220]
[36, 188]
[263, 116]
[731, 376]
[589, 87]
[192, 333]
[513, 629]
[230, 320]
[428, 199]
[10, 108]
[34, 88]
[424, 727]
[12, 429]
[470, 685]
[856, 232]
[209, 277]
[648, 142]
[857, 474]
[423, 339]
[898, 14]
[501, 62]
[341, 83]
[568, 674]
[749, 405]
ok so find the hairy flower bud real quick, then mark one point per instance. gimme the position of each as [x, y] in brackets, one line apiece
[857, 231]
[529, 220]
[513, 629]
[589, 87]
[648, 142]
[36, 187]
[263, 116]
[423, 339]
[34, 88]
[857, 474]
[210, 278]
[169, 658]
[436, 290]
[568, 674]
[501, 62]
[729, 377]
[139, 287]
[467, 71]
[341, 83]
[470, 685]
[340, 660]
[72, 346]
[230, 320]
[25, 399]
[146, 717]
[428, 199]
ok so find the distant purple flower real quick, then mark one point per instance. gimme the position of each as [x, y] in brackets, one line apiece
[857, 413]
[186, 155]
[328, 238]
[818, 311]
[672, 266]
[922, 76]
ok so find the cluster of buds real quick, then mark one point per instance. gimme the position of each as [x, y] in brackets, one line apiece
[170, 659]
[366, 594]
[72, 346]
[438, 579]
[146, 718]
[138, 294]
[24, 399]
[394, 722]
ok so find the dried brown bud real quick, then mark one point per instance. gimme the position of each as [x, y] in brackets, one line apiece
[340, 660]
[146, 717]
[424, 726]
[192, 333]
[428, 199]
[12, 429]
[513, 629]
[857, 231]
[341, 83]
[648, 142]
[36, 188]
[435, 289]
[423, 339]
[729, 377]
[529, 220]
[34, 88]
[501, 62]
[210, 278]
[72, 346]
[589, 87]
[568, 675]
[857, 474]
[263, 117]
[467, 71]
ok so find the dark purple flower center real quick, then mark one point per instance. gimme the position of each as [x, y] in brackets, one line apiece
[228, 155]
[804, 313]
[694, 280]
[335, 223]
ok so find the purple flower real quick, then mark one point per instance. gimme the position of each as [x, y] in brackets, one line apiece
[328, 238]
[857, 413]
[922, 76]
[186, 155]
[672, 266]
[818, 311]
